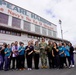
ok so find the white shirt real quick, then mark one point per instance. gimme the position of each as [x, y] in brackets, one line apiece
[13, 49]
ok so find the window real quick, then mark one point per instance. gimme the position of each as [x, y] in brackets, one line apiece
[16, 22]
[54, 33]
[46, 38]
[3, 18]
[36, 37]
[43, 31]
[33, 37]
[18, 34]
[29, 36]
[27, 26]
[10, 32]
[13, 33]
[2, 31]
[37, 29]
[49, 32]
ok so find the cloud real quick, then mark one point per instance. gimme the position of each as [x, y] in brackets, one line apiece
[53, 10]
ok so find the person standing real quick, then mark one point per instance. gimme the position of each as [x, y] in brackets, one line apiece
[21, 56]
[36, 55]
[17, 55]
[1, 59]
[55, 54]
[13, 55]
[67, 53]
[7, 52]
[29, 54]
[9, 47]
[71, 54]
[61, 55]
[2, 54]
[43, 53]
[49, 53]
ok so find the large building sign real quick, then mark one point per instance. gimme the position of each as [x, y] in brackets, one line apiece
[26, 15]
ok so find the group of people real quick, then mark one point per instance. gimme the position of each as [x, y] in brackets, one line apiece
[13, 56]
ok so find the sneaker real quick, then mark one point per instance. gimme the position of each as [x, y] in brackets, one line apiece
[42, 67]
[65, 65]
[20, 69]
[23, 68]
[28, 69]
[69, 67]
[17, 69]
[73, 66]
[45, 67]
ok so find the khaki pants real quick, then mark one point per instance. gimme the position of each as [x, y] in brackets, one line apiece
[44, 60]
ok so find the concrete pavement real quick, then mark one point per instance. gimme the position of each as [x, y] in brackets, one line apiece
[65, 71]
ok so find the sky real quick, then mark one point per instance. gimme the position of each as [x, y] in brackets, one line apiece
[53, 10]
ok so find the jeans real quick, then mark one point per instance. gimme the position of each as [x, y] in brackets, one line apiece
[7, 62]
[68, 58]
[72, 58]
[1, 62]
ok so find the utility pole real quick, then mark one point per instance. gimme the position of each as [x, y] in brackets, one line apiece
[60, 22]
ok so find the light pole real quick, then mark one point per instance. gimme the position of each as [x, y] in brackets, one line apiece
[60, 22]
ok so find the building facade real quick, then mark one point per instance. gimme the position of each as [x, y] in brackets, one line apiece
[18, 24]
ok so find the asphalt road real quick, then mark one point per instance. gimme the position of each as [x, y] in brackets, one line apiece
[65, 71]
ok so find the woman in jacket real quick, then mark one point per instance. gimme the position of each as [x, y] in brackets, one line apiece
[36, 55]
[29, 54]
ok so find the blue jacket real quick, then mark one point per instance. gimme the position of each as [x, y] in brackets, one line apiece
[21, 50]
[66, 50]
[61, 49]
[8, 52]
